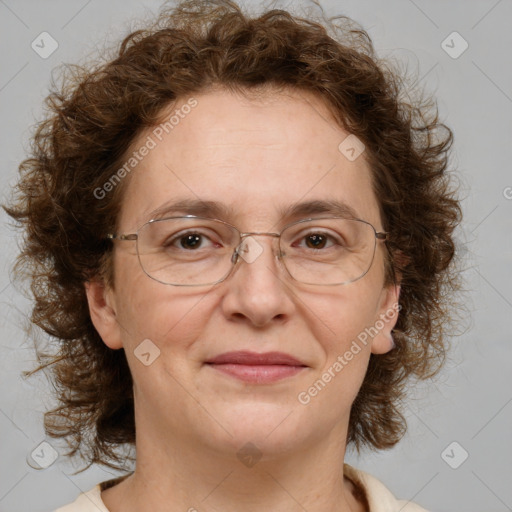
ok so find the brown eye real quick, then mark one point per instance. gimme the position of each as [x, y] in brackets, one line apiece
[191, 241]
[316, 241]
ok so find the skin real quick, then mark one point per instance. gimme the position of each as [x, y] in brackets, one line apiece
[255, 155]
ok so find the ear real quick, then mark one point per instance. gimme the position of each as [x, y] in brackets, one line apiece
[386, 320]
[103, 312]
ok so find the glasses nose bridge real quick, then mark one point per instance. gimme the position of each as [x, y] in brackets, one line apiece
[245, 235]
[256, 233]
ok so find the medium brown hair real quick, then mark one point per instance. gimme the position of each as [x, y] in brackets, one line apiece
[98, 110]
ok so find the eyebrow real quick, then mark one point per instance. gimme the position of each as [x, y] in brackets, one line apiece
[215, 209]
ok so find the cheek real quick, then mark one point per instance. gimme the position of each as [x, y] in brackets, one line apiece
[333, 386]
[170, 320]
[147, 309]
[337, 319]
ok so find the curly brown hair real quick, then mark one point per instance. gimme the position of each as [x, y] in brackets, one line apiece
[97, 112]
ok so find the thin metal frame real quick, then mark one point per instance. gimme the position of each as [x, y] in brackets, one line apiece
[379, 236]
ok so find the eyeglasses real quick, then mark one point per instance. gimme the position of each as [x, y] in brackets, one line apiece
[197, 251]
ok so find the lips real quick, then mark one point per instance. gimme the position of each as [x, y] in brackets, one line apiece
[252, 358]
[257, 368]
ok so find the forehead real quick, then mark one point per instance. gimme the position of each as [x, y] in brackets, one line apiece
[256, 155]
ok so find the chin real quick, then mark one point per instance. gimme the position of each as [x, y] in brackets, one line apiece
[270, 427]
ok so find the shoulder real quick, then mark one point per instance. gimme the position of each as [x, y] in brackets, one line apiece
[87, 502]
[380, 499]
[91, 501]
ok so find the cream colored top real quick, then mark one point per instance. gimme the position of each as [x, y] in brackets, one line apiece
[379, 497]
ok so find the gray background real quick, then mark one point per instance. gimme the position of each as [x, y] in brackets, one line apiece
[470, 402]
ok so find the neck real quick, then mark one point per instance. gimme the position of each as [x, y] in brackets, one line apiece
[180, 475]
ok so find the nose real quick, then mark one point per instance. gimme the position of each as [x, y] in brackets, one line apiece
[258, 291]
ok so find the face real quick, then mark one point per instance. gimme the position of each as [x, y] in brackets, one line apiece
[257, 157]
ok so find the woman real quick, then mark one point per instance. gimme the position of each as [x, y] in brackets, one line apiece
[242, 238]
